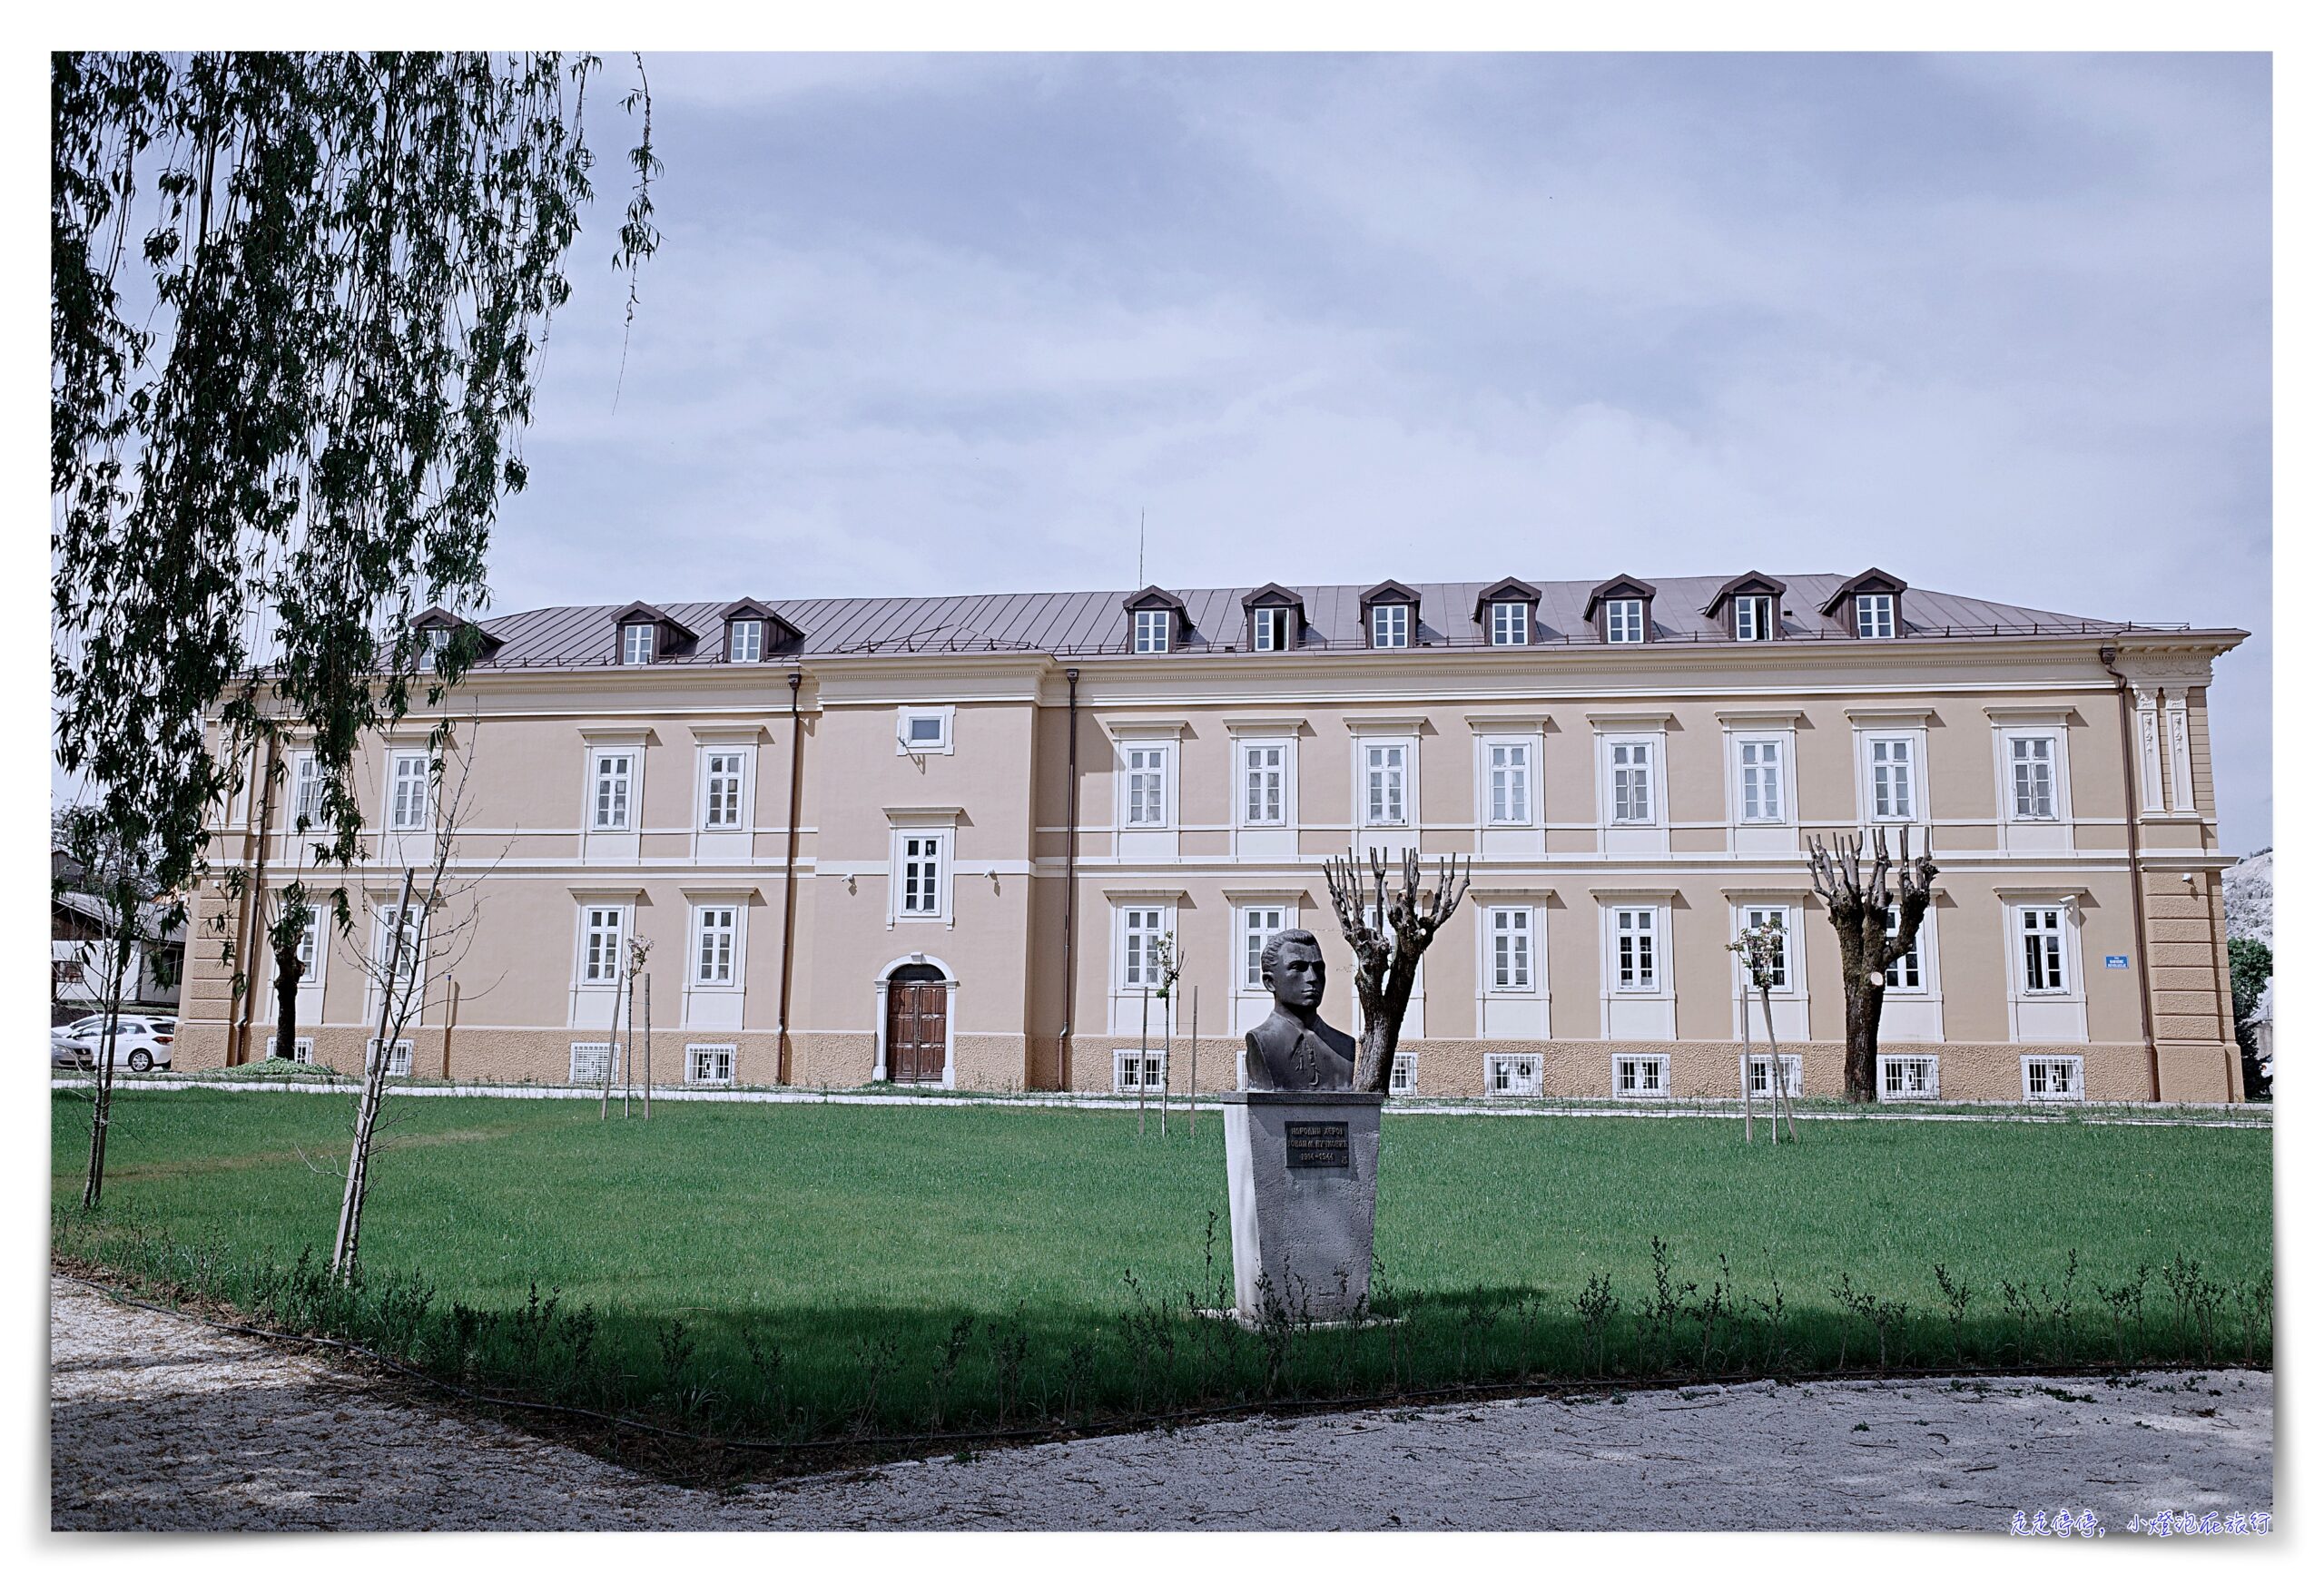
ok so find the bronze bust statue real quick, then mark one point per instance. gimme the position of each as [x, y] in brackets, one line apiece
[1294, 1048]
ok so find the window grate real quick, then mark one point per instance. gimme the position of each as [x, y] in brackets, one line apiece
[1513, 1077]
[1642, 1077]
[2052, 1079]
[710, 1065]
[591, 1063]
[1126, 1073]
[1908, 1077]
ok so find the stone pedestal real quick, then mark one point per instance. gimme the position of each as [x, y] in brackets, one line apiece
[1301, 1177]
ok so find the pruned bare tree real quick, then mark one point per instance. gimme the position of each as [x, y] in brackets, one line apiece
[1388, 928]
[422, 937]
[1761, 947]
[1859, 905]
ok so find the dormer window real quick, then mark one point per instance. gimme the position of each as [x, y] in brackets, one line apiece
[1868, 604]
[637, 643]
[1158, 621]
[1391, 627]
[1623, 608]
[745, 640]
[1505, 610]
[1275, 615]
[1755, 617]
[433, 641]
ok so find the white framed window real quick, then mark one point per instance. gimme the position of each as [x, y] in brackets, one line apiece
[400, 935]
[924, 729]
[1513, 1077]
[1790, 1076]
[306, 791]
[1779, 962]
[1512, 624]
[710, 1065]
[714, 945]
[920, 873]
[1905, 975]
[1403, 1072]
[637, 643]
[1510, 951]
[1135, 1071]
[1265, 777]
[1876, 616]
[2051, 1078]
[746, 641]
[1889, 762]
[1259, 924]
[398, 1057]
[591, 1063]
[1758, 770]
[1625, 621]
[1386, 766]
[602, 930]
[1150, 631]
[1509, 783]
[722, 789]
[1138, 962]
[302, 1050]
[309, 940]
[1755, 617]
[1637, 950]
[2045, 959]
[2033, 775]
[1147, 791]
[433, 641]
[1638, 1077]
[407, 790]
[1271, 628]
[1908, 1077]
[1391, 627]
[613, 779]
[1631, 780]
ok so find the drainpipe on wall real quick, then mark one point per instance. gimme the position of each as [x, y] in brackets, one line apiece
[790, 894]
[2138, 879]
[1072, 839]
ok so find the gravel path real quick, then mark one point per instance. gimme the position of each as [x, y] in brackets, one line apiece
[159, 1423]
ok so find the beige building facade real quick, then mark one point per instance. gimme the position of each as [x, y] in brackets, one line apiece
[943, 841]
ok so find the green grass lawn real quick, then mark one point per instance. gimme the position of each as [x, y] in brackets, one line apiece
[811, 1270]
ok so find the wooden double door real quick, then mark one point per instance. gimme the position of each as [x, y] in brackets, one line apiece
[916, 1031]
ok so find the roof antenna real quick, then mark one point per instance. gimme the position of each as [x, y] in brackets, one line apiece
[1141, 547]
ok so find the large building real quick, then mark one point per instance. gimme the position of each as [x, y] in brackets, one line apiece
[939, 840]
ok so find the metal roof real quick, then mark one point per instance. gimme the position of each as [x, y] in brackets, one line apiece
[1093, 623]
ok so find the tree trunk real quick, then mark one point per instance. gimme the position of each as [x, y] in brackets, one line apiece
[101, 1110]
[1864, 990]
[288, 972]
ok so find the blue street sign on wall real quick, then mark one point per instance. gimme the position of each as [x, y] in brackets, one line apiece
[2118, 961]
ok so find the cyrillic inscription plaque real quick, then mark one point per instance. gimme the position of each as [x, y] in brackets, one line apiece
[1315, 1145]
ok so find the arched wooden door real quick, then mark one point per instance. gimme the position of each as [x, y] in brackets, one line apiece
[916, 1025]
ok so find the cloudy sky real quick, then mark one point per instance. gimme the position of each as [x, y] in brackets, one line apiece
[923, 325]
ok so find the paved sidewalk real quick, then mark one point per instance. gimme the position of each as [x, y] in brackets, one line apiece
[160, 1423]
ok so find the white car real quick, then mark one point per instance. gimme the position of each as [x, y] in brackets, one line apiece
[64, 1050]
[140, 1044]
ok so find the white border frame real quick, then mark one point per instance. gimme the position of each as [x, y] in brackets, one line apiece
[2025, 1063]
[1532, 1091]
